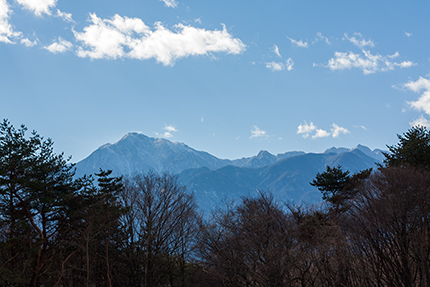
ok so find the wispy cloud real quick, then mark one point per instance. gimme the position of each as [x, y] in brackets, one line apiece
[307, 130]
[421, 121]
[337, 130]
[275, 66]
[421, 86]
[67, 17]
[122, 37]
[320, 133]
[361, 127]
[405, 64]
[366, 62]
[38, 7]
[300, 43]
[280, 66]
[408, 34]
[321, 37]
[169, 130]
[276, 51]
[170, 3]
[28, 43]
[7, 33]
[359, 41]
[256, 132]
[59, 46]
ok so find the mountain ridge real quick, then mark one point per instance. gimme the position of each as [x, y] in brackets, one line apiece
[162, 155]
[213, 179]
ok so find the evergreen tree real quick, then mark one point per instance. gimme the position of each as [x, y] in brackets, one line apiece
[331, 183]
[16, 152]
[413, 149]
[338, 186]
[35, 185]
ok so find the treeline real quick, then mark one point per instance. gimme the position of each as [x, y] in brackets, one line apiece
[99, 230]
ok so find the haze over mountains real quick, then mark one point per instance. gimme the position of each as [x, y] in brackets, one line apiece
[214, 180]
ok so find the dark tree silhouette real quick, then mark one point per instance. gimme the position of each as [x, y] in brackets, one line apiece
[389, 228]
[413, 149]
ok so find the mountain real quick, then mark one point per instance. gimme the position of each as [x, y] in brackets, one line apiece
[288, 179]
[263, 158]
[214, 180]
[137, 153]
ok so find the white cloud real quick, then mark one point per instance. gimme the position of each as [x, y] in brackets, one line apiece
[320, 37]
[307, 129]
[405, 64]
[38, 7]
[279, 66]
[165, 135]
[366, 62]
[320, 134]
[337, 130]
[408, 34]
[65, 16]
[202, 119]
[299, 43]
[395, 55]
[276, 51]
[170, 3]
[169, 130]
[419, 85]
[7, 32]
[422, 86]
[359, 42]
[275, 66]
[29, 43]
[421, 121]
[130, 38]
[289, 64]
[258, 133]
[361, 127]
[59, 46]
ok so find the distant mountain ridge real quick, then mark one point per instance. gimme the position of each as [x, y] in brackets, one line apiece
[137, 153]
[212, 179]
[287, 179]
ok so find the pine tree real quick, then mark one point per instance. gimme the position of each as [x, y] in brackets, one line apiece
[413, 149]
[35, 186]
[331, 183]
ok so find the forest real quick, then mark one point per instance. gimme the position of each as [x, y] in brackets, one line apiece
[98, 230]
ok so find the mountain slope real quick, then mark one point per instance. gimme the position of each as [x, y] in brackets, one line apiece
[137, 153]
[213, 180]
[287, 179]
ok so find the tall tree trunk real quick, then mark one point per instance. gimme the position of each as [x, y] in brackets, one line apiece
[12, 227]
[87, 254]
[109, 283]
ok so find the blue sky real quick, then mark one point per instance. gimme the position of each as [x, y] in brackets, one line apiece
[227, 77]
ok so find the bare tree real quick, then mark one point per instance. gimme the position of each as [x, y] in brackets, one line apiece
[163, 225]
[389, 228]
[250, 244]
